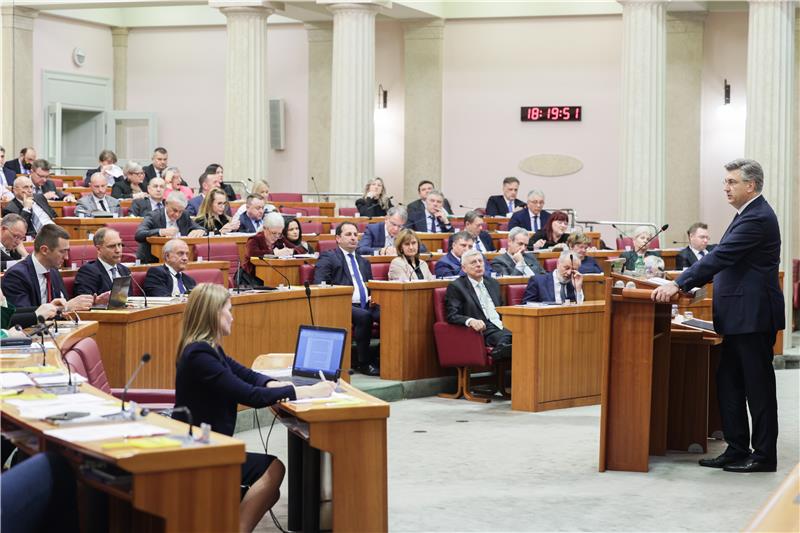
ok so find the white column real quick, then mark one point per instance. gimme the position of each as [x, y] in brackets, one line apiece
[642, 165]
[16, 79]
[119, 41]
[353, 95]
[320, 46]
[771, 97]
[246, 102]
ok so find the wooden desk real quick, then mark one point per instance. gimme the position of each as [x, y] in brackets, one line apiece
[326, 209]
[355, 436]
[80, 228]
[330, 222]
[157, 244]
[262, 322]
[782, 511]
[205, 475]
[557, 357]
[222, 266]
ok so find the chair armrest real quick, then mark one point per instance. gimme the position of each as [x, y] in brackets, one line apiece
[459, 345]
[147, 396]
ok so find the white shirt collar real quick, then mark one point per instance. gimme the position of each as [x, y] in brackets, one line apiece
[106, 265]
[748, 203]
[345, 252]
[474, 283]
[171, 270]
[40, 268]
[532, 214]
[695, 252]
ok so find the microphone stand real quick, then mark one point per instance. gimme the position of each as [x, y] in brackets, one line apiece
[319, 196]
[144, 360]
[281, 274]
[144, 294]
[308, 299]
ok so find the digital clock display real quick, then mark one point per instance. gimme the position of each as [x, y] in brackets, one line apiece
[561, 113]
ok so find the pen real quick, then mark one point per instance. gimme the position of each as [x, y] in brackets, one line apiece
[322, 376]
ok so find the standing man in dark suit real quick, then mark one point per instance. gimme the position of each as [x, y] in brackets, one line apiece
[472, 301]
[252, 220]
[517, 261]
[433, 219]
[379, 237]
[13, 230]
[343, 266]
[158, 166]
[418, 205]
[96, 277]
[170, 279]
[564, 283]
[35, 280]
[33, 208]
[154, 201]
[748, 313]
[506, 204]
[473, 224]
[22, 165]
[172, 221]
[42, 184]
[535, 217]
[697, 249]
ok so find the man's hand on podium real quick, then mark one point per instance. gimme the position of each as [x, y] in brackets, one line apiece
[664, 293]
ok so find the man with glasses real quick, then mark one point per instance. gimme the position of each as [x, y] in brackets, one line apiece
[42, 184]
[748, 313]
[534, 217]
[31, 207]
[172, 221]
[170, 279]
[12, 236]
[379, 237]
[96, 277]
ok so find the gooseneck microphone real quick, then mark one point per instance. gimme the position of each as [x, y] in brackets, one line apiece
[314, 182]
[307, 285]
[143, 361]
[622, 233]
[188, 413]
[651, 239]
[141, 289]
[281, 274]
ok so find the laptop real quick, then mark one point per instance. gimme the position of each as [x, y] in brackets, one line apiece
[318, 349]
[119, 294]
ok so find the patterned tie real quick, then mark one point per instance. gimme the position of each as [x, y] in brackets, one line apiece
[114, 272]
[102, 205]
[511, 206]
[159, 206]
[181, 286]
[702, 253]
[433, 223]
[362, 292]
[488, 306]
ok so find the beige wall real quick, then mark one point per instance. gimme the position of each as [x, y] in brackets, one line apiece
[389, 126]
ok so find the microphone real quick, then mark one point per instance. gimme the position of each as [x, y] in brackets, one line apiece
[680, 242]
[40, 329]
[308, 299]
[651, 239]
[144, 360]
[468, 208]
[144, 294]
[188, 412]
[208, 246]
[238, 271]
[314, 182]
[281, 274]
[622, 233]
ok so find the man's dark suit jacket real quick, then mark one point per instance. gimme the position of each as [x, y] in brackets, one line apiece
[6, 256]
[744, 267]
[486, 241]
[462, 303]
[504, 264]
[158, 281]
[686, 257]
[15, 206]
[49, 186]
[498, 207]
[418, 221]
[149, 173]
[141, 207]
[419, 205]
[374, 238]
[590, 266]
[14, 166]
[157, 221]
[92, 278]
[245, 224]
[193, 207]
[122, 189]
[541, 289]
[332, 269]
[21, 286]
[448, 265]
[10, 176]
[523, 219]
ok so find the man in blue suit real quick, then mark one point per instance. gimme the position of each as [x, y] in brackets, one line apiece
[507, 203]
[35, 280]
[534, 217]
[379, 237]
[170, 279]
[433, 218]
[252, 220]
[748, 313]
[473, 224]
[96, 277]
[450, 264]
[562, 284]
[343, 266]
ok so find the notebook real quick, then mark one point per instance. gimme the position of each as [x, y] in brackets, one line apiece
[318, 349]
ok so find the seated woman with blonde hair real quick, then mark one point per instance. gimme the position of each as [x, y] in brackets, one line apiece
[212, 385]
[211, 214]
[407, 265]
[641, 236]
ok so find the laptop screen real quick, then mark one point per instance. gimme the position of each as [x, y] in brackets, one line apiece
[318, 349]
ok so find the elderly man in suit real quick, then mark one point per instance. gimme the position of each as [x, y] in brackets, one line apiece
[534, 217]
[564, 283]
[31, 207]
[418, 205]
[517, 261]
[473, 224]
[434, 218]
[96, 277]
[35, 280]
[505, 204]
[98, 201]
[170, 279]
[472, 301]
[343, 266]
[42, 184]
[172, 221]
[13, 230]
[154, 201]
[748, 313]
[698, 246]
[379, 237]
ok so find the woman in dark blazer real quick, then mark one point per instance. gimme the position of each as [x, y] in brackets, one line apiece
[211, 215]
[578, 244]
[375, 202]
[211, 385]
[293, 236]
[131, 186]
[554, 232]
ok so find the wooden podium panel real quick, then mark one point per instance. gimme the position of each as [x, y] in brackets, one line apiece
[80, 228]
[557, 355]
[157, 245]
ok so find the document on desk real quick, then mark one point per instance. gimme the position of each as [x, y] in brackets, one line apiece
[335, 399]
[42, 406]
[11, 380]
[58, 379]
[125, 430]
[276, 373]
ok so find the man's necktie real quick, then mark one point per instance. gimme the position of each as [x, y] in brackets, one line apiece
[114, 272]
[564, 292]
[702, 253]
[479, 244]
[511, 206]
[181, 286]
[102, 205]
[49, 287]
[362, 292]
[488, 306]
[159, 206]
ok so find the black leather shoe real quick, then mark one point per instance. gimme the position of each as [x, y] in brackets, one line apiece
[370, 370]
[720, 462]
[750, 465]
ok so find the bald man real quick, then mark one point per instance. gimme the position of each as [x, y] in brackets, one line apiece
[99, 201]
[31, 207]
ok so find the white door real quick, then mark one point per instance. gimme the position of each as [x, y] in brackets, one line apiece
[74, 136]
[131, 135]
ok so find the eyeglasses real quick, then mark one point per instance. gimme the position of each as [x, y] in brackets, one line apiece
[730, 182]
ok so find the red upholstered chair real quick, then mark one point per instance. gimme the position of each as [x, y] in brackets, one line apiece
[796, 286]
[80, 254]
[550, 264]
[348, 212]
[58, 183]
[311, 227]
[622, 242]
[503, 226]
[458, 224]
[362, 226]
[460, 347]
[303, 211]
[138, 277]
[514, 294]
[207, 275]
[69, 284]
[85, 359]
[328, 244]
[306, 273]
[380, 271]
[285, 197]
[504, 243]
[219, 251]
[123, 210]
[127, 232]
[446, 244]
[68, 210]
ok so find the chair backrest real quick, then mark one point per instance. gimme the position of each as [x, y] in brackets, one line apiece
[626, 243]
[328, 244]
[503, 226]
[89, 354]
[207, 275]
[504, 243]
[138, 276]
[127, 232]
[123, 210]
[311, 227]
[438, 304]
[550, 264]
[458, 224]
[514, 294]
[445, 244]
[285, 197]
[348, 211]
[219, 251]
[69, 285]
[306, 273]
[68, 210]
[58, 183]
[380, 271]
[80, 254]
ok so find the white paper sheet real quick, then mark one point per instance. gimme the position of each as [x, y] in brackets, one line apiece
[11, 380]
[106, 431]
[58, 379]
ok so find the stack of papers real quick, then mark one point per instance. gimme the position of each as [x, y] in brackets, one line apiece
[108, 431]
[58, 379]
[48, 405]
[11, 380]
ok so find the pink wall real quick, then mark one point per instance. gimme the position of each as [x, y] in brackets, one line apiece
[492, 68]
[179, 73]
[389, 122]
[53, 41]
